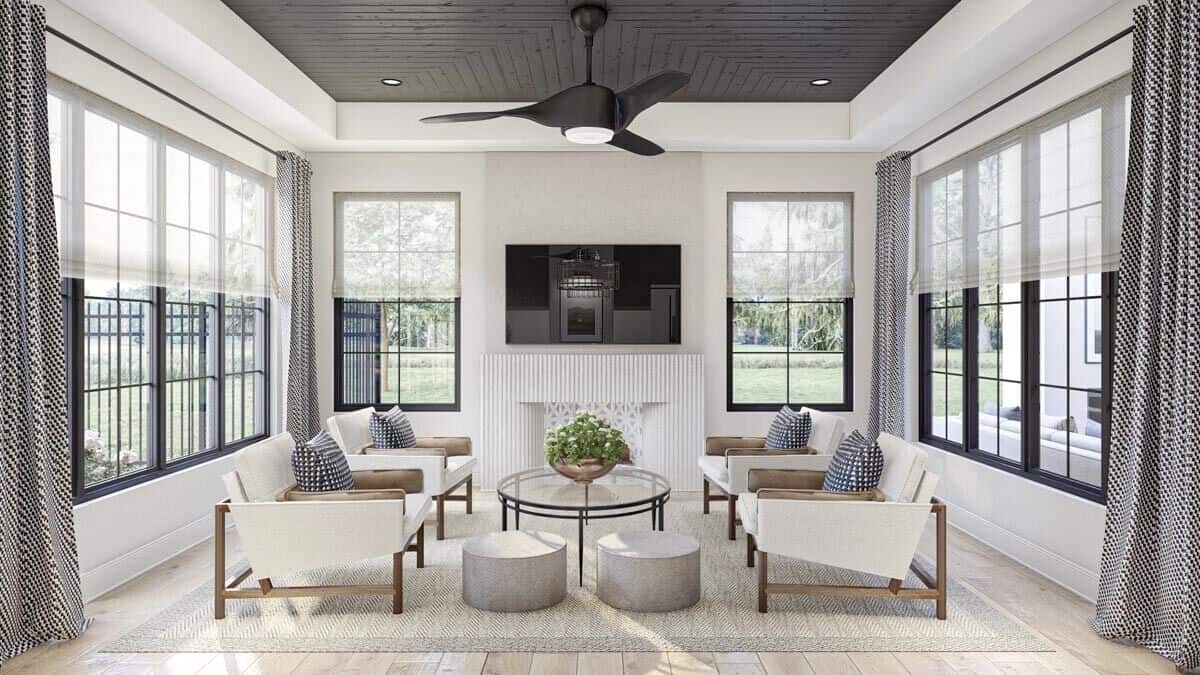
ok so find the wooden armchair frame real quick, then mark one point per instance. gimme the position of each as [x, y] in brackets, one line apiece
[229, 589]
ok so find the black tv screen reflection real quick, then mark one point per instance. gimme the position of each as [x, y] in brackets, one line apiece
[588, 293]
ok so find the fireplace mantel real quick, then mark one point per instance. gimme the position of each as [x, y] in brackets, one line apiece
[515, 386]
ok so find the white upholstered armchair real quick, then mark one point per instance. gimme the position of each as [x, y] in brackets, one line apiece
[727, 460]
[786, 513]
[284, 531]
[445, 461]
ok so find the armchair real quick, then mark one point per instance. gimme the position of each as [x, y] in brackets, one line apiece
[877, 532]
[284, 530]
[444, 461]
[727, 460]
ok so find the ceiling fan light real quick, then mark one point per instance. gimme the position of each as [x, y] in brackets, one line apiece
[588, 135]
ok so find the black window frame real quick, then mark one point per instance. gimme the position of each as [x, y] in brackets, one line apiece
[74, 299]
[339, 353]
[847, 402]
[1028, 467]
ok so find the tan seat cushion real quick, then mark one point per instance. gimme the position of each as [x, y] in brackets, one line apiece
[875, 495]
[298, 495]
[784, 479]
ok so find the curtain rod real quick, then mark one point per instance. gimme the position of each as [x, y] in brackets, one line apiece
[1020, 91]
[100, 57]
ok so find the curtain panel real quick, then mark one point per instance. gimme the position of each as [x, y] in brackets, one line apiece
[1150, 563]
[293, 263]
[1039, 202]
[885, 407]
[39, 568]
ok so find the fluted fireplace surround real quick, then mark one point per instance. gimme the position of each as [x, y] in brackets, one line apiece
[523, 393]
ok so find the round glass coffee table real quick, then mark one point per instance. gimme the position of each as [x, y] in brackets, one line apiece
[626, 491]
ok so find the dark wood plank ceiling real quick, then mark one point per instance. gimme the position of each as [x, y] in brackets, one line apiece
[521, 50]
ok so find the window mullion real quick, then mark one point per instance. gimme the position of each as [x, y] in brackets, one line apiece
[1031, 365]
[970, 369]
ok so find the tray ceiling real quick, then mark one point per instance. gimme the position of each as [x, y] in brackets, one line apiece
[523, 50]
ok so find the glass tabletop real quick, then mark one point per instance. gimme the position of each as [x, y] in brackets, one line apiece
[624, 486]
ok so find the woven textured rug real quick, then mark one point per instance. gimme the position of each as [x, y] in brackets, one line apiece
[436, 619]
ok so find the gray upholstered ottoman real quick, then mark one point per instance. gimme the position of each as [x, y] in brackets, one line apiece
[648, 571]
[514, 571]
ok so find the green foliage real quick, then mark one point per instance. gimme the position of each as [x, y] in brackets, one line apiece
[585, 437]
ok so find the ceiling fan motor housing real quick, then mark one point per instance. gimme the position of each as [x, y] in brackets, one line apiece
[585, 105]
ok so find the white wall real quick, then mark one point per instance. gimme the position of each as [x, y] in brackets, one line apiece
[597, 197]
[1050, 531]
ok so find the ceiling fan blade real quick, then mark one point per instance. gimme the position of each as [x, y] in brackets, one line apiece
[465, 117]
[627, 140]
[633, 100]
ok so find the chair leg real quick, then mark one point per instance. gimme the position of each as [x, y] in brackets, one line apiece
[421, 545]
[941, 561]
[470, 493]
[750, 549]
[762, 581]
[706, 494]
[398, 582]
[732, 517]
[441, 516]
[219, 563]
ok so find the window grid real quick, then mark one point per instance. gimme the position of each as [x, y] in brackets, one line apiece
[785, 346]
[144, 386]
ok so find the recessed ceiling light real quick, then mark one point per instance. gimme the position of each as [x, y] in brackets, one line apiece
[820, 82]
[392, 82]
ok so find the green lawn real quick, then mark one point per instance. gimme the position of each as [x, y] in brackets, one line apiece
[763, 377]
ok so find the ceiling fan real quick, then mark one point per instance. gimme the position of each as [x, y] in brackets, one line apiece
[591, 113]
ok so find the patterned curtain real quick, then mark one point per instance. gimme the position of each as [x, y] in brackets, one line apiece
[293, 264]
[1150, 564]
[885, 409]
[39, 569]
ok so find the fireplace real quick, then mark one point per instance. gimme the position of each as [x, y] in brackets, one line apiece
[656, 400]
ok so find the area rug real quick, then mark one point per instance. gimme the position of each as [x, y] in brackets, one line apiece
[435, 619]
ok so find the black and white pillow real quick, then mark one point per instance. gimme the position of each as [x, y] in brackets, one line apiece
[392, 430]
[320, 465]
[857, 465]
[789, 429]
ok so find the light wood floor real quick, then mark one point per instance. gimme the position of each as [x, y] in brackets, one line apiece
[1058, 614]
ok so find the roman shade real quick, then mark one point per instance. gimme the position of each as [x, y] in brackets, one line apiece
[141, 205]
[396, 246]
[1039, 202]
[790, 246]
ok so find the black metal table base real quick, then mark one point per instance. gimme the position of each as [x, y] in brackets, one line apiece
[655, 506]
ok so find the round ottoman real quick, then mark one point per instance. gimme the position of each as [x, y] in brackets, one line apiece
[514, 571]
[648, 571]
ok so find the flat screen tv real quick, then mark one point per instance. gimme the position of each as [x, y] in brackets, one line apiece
[589, 293]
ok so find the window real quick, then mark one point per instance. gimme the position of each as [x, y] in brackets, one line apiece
[163, 248]
[1019, 243]
[790, 307]
[396, 310]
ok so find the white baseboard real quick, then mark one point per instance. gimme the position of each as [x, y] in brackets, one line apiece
[107, 576]
[1072, 576]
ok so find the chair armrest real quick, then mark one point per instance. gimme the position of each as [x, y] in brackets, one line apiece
[717, 445]
[407, 452]
[297, 495]
[784, 479]
[453, 446]
[874, 495]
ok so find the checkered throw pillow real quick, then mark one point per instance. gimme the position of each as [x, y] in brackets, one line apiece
[321, 466]
[857, 465]
[392, 430]
[789, 429]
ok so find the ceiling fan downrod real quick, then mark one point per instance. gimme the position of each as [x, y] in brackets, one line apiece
[589, 19]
